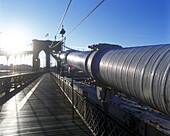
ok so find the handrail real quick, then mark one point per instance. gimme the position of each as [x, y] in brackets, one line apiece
[6, 76]
[12, 84]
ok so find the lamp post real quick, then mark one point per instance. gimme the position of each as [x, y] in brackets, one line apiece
[62, 32]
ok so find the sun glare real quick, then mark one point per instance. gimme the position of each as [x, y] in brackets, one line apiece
[13, 42]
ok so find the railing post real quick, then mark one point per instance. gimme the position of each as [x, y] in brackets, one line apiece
[63, 90]
[72, 97]
[85, 104]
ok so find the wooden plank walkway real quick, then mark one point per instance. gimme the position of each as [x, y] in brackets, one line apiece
[39, 110]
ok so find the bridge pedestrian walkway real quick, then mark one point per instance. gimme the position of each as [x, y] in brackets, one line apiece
[39, 110]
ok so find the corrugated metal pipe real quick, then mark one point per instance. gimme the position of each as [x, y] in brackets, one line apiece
[141, 72]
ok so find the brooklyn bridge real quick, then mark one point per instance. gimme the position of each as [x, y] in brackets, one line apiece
[107, 90]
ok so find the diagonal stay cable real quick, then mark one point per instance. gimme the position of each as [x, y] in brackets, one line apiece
[85, 18]
[81, 21]
[63, 17]
[62, 20]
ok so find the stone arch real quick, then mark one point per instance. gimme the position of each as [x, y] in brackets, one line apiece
[40, 53]
[38, 46]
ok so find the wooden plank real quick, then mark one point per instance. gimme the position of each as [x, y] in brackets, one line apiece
[44, 113]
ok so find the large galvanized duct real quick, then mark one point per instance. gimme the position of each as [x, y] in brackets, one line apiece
[78, 59]
[141, 72]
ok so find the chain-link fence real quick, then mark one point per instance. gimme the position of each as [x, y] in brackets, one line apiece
[99, 123]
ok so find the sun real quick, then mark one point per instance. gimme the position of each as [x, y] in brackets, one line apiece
[12, 42]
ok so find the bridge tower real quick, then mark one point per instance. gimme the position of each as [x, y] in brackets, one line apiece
[38, 46]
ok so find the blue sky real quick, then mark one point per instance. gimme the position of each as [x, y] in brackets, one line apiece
[124, 22]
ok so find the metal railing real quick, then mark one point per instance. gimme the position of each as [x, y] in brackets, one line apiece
[96, 119]
[10, 85]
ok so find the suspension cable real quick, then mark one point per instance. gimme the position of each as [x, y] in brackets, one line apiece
[68, 47]
[29, 44]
